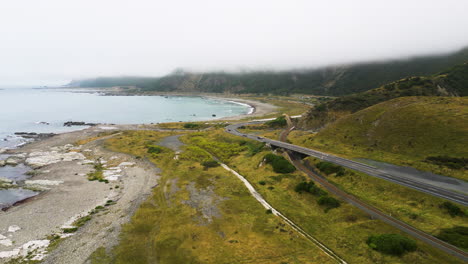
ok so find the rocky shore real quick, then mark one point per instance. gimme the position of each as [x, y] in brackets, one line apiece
[59, 171]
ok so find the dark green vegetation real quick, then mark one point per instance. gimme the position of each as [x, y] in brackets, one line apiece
[451, 162]
[324, 200]
[210, 164]
[153, 149]
[279, 163]
[328, 202]
[330, 168]
[452, 209]
[452, 82]
[391, 244]
[191, 125]
[457, 236]
[333, 80]
[97, 174]
[309, 187]
[408, 131]
[277, 123]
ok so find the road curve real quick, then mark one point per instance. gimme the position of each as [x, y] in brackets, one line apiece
[370, 170]
[292, 152]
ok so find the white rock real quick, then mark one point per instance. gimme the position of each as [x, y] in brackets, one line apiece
[40, 159]
[43, 182]
[6, 181]
[6, 242]
[2, 163]
[107, 128]
[2, 236]
[2, 150]
[13, 161]
[8, 254]
[13, 228]
[126, 163]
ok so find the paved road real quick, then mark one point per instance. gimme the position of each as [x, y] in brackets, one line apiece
[293, 151]
[368, 169]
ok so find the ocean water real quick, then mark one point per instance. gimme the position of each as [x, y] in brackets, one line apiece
[22, 110]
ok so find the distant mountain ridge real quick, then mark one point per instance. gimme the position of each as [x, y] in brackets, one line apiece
[451, 82]
[332, 80]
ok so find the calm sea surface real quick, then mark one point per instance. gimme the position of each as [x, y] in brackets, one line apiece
[22, 110]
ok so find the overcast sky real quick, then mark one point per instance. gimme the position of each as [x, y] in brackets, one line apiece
[46, 42]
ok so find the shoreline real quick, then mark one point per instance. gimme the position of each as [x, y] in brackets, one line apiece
[75, 194]
[256, 109]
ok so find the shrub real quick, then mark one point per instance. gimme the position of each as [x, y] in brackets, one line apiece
[191, 125]
[210, 164]
[328, 202]
[278, 122]
[457, 236]
[330, 168]
[452, 209]
[154, 149]
[450, 162]
[262, 182]
[309, 187]
[391, 244]
[279, 163]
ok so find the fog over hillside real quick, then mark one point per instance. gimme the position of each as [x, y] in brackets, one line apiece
[51, 42]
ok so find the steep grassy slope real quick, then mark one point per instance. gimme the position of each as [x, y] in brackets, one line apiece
[333, 80]
[404, 131]
[452, 82]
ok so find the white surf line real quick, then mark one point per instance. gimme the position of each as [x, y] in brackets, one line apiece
[265, 204]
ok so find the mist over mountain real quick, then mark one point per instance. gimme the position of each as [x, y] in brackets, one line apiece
[332, 80]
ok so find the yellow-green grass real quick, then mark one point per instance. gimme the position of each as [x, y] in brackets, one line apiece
[415, 208]
[403, 131]
[344, 229]
[167, 230]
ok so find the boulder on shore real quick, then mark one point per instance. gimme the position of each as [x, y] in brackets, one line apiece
[73, 123]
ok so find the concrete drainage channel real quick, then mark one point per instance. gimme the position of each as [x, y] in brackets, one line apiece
[265, 204]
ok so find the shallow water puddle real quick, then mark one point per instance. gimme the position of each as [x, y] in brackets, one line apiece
[9, 197]
[16, 173]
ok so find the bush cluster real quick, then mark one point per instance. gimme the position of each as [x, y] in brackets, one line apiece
[210, 164]
[309, 187]
[328, 202]
[279, 163]
[451, 162]
[330, 168]
[456, 236]
[191, 125]
[452, 209]
[154, 149]
[278, 122]
[391, 244]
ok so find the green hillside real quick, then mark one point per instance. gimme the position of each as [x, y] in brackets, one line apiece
[426, 132]
[451, 82]
[332, 80]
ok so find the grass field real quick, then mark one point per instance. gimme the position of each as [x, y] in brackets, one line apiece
[173, 226]
[202, 215]
[403, 131]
